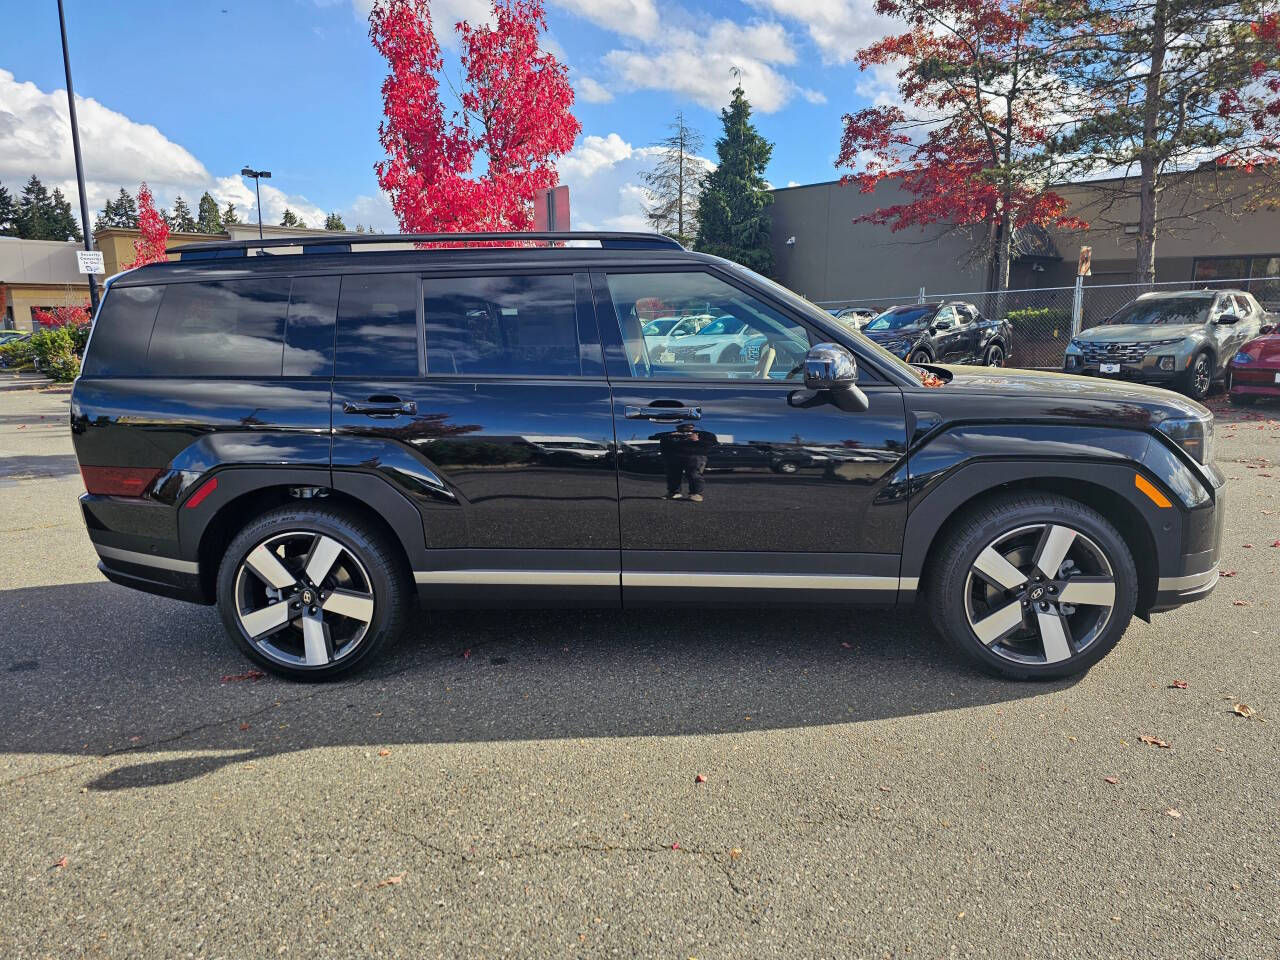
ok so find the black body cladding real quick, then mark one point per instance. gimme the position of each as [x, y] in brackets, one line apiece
[556, 426]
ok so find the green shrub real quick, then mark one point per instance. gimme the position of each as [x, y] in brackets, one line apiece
[1043, 316]
[49, 342]
[16, 354]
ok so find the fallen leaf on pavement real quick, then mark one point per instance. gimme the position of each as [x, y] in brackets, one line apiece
[466, 654]
[1178, 685]
[247, 675]
[1112, 780]
[59, 863]
[1275, 543]
[244, 726]
[1173, 812]
[1226, 573]
[391, 881]
[1154, 741]
[699, 779]
[675, 846]
[1247, 546]
[1244, 710]
[384, 753]
[846, 645]
[1240, 603]
[735, 853]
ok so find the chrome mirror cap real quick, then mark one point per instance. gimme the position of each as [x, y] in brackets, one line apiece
[829, 365]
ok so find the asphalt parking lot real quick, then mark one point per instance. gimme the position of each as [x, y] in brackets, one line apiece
[525, 785]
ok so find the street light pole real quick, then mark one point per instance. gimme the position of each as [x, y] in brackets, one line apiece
[257, 175]
[75, 146]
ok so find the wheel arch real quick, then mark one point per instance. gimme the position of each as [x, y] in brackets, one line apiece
[251, 493]
[926, 528]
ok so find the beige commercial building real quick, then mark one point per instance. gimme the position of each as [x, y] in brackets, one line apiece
[43, 274]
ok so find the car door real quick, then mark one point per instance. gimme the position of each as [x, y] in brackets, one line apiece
[734, 482]
[481, 398]
[948, 335]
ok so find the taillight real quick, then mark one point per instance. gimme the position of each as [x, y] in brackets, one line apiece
[118, 481]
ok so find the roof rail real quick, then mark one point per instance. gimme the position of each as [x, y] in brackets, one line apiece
[608, 240]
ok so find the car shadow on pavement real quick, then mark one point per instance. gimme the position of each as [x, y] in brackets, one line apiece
[50, 465]
[95, 670]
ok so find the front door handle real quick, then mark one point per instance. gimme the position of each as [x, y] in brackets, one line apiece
[380, 407]
[663, 414]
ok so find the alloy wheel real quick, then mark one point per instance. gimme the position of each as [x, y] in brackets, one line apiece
[995, 357]
[1200, 375]
[303, 599]
[1040, 594]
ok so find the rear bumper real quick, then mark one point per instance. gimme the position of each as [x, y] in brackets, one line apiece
[1255, 382]
[135, 550]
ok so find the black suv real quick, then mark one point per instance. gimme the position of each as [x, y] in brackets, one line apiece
[950, 332]
[307, 439]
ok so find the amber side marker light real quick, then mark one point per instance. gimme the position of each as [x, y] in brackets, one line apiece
[1152, 493]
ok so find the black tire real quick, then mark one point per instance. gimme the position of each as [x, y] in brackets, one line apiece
[371, 571]
[958, 595]
[919, 356]
[1198, 379]
[995, 356]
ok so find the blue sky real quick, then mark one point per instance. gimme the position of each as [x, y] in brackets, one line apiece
[185, 93]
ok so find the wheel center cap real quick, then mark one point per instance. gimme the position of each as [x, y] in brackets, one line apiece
[307, 596]
[1036, 592]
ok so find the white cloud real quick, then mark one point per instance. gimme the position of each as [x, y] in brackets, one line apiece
[592, 90]
[702, 65]
[606, 185]
[632, 18]
[35, 138]
[444, 14]
[838, 28]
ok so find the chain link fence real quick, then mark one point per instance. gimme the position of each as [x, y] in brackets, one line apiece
[1042, 318]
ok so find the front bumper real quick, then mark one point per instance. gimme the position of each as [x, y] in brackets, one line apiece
[1148, 371]
[1194, 575]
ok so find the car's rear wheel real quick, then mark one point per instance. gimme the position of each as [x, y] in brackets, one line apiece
[995, 356]
[311, 593]
[919, 356]
[1199, 376]
[1033, 586]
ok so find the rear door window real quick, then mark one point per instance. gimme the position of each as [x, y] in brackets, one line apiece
[519, 326]
[221, 328]
[118, 344]
[308, 343]
[378, 326]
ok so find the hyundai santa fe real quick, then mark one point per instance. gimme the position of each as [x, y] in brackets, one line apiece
[319, 439]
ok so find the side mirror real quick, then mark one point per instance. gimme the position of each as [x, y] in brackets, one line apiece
[942, 325]
[830, 367]
[1227, 319]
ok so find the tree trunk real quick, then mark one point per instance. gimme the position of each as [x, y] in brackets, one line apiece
[1148, 190]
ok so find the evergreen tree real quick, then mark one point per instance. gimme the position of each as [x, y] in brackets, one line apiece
[208, 218]
[229, 215]
[62, 219]
[334, 222]
[290, 219]
[675, 181]
[733, 221]
[181, 221]
[8, 214]
[35, 219]
[121, 213]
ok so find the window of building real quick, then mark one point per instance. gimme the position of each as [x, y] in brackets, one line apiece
[502, 325]
[378, 326]
[220, 328]
[720, 332]
[1259, 275]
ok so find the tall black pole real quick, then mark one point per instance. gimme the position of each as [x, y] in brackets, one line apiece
[75, 145]
[257, 192]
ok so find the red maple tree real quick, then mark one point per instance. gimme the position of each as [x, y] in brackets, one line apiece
[77, 316]
[478, 168]
[154, 232]
[968, 147]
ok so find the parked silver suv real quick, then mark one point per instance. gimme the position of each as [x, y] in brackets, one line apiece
[1182, 340]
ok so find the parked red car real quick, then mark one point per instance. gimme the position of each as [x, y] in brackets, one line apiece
[1255, 369]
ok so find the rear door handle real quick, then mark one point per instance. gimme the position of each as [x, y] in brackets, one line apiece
[380, 407]
[661, 414]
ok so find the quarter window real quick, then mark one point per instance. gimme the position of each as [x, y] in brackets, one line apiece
[378, 326]
[502, 325]
[694, 325]
[225, 328]
[118, 345]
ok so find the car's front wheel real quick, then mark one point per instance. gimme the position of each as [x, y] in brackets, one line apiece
[1033, 586]
[310, 593]
[1199, 376]
[995, 356]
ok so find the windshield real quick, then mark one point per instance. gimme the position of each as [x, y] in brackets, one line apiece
[1172, 310]
[898, 318]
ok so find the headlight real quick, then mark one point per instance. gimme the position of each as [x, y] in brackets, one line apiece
[1242, 357]
[1195, 437]
[1075, 346]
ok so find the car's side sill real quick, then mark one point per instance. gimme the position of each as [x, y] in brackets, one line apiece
[672, 578]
